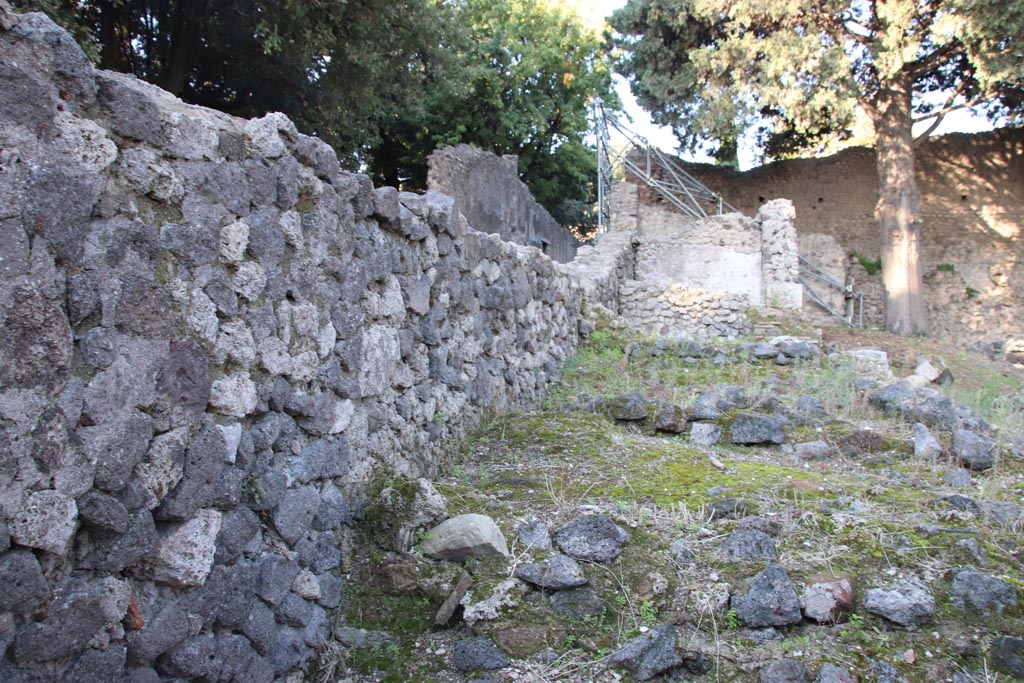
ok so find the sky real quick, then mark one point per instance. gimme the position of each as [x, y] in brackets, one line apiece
[639, 120]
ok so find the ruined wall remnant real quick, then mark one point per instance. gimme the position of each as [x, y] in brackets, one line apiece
[215, 346]
[697, 277]
[488, 192]
[972, 206]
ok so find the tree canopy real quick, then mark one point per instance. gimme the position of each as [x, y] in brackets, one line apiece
[712, 67]
[384, 83]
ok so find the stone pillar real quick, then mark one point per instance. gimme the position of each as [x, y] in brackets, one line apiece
[780, 255]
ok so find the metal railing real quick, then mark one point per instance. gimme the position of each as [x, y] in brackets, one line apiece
[659, 171]
[853, 300]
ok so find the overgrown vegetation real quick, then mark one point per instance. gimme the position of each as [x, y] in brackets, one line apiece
[869, 509]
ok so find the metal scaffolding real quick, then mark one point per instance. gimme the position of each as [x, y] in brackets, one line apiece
[659, 171]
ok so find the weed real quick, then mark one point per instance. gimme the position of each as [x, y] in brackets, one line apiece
[946, 268]
[872, 266]
[648, 613]
[732, 620]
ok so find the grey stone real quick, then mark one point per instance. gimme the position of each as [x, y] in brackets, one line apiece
[318, 629]
[464, 536]
[1007, 655]
[195, 659]
[144, 309]
[5, 537]
[98, 666]
[975, 592]
[746, 545]
[103, 512]
[319, 552]
[705, 434]
[141, 674]
[294, 611]
[961, 502]
[294, 515]
[131, 108]
[322, 459]
[168, 629]
[728, 508]
[682, 551]
[973, 451]
[1005, 513]
[478, 654]
[360, 638]
[749, 429]
[99, 347]
[630, 407]
[705, 408]
[46, 520]
[827, 597]
[669, 417]
[957, 478]
[783, 671]
[535, 536]
[289, 650]
[202, 483]
[276, 577]
[78, 613]
[813, 450]
[117, 448]
[239, 662]
[926, 446]
[594, 538]
[883, 672]
[25, 587]
[401, 509]
[330, 590]
[114, 552]
[237, 529]
[260, 627]
[556, 573]
[578, 603]
[649, 654]
[907, 602]
[185, 556]
[830, 673]
[771, 601]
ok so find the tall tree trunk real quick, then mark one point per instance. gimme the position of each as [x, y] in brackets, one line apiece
[899, 209]
[186, 37]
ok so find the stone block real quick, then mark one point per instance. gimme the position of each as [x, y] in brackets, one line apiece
[185, 555]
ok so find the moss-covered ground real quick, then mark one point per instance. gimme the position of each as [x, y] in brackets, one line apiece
[869, 509]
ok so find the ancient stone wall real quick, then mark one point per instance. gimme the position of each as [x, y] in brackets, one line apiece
[488, 192]
[972, 199]
[697, 277]
[214, 348]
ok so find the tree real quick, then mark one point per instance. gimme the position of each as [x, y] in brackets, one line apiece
[809, 64]
[526, 72]
[339, 68]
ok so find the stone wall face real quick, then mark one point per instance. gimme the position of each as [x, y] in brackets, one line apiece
[488, 192]
[972, 200]
[697, 277]
[215, 346]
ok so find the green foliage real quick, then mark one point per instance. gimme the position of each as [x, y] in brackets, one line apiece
[946, 268]
[800, 69]
[526, 72]
[732, 620]
[872, 266]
